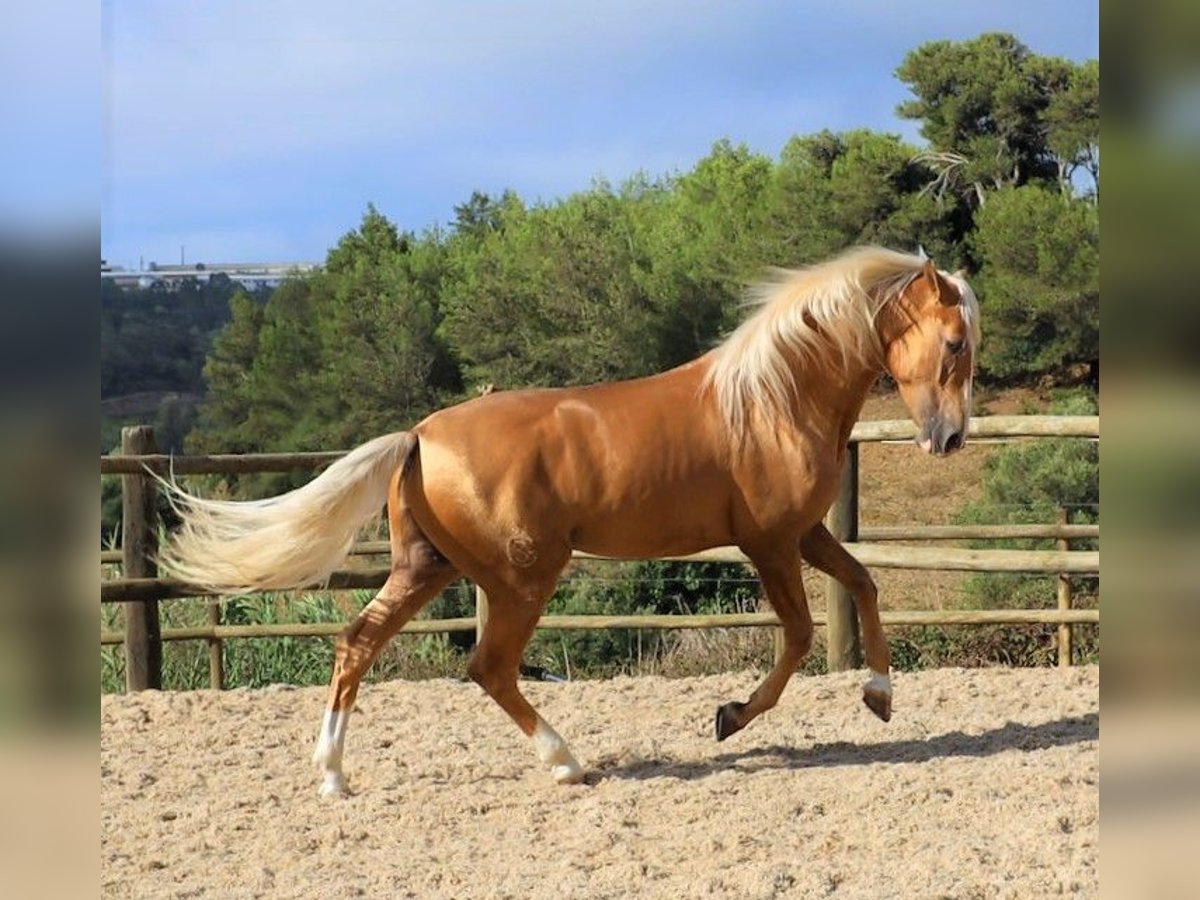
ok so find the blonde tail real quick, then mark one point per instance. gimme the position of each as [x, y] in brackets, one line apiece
[283, 542]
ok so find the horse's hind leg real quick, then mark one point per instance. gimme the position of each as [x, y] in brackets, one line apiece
[419, 572]
[495, 664]
[825, 552]
[780, 575]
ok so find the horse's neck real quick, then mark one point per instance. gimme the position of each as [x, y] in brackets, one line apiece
[830, 398]
[829, 402]
[856, 397]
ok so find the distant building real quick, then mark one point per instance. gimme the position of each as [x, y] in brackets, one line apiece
[251, 274]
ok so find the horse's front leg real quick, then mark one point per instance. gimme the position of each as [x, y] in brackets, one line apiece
[826, 553]
[779, 570]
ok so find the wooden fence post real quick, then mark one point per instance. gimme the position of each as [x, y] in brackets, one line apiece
[481, 612]
[216, 650]
[1064, 598]
[139, 544]
[843, 645]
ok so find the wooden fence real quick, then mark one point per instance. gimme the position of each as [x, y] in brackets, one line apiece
[139, 590]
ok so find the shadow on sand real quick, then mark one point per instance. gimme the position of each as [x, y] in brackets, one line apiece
[1013, 736]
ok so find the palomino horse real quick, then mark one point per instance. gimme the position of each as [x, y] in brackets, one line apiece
[743, 446]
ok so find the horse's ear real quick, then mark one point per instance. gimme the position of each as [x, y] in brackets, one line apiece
[930, 273]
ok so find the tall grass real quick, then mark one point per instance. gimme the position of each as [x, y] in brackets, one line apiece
[257, 662]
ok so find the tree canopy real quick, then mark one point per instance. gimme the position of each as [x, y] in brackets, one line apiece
[997, 115]
[620, 281]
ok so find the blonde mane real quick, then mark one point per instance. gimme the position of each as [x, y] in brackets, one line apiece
[822, 314]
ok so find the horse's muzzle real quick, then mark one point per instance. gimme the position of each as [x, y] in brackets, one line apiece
[940, 437]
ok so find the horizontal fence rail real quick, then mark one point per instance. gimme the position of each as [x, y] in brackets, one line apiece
[985, 427]
[647, 622]
[1034, 562]
[975, 532]
[866, 533]
[869, 544]
[217, 464]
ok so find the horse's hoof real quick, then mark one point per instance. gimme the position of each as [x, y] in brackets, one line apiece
[879, 703]
[729, 719]
[571, 773]
[334, 786]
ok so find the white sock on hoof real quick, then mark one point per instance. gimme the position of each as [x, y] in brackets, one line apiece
[333, 785]
[330, 743]
[878, 684]
[553, 750]
[331, 738]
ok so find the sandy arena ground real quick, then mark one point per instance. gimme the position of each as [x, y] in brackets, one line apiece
[984, 784]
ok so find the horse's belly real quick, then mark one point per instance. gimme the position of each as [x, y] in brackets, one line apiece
[654, 531]
[616, 548]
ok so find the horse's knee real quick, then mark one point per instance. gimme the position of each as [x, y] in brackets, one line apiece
[475, 670]
[799, 639]
[870, 593]
[492, 672]
[480, 671]
[341, 652]
[862, 587]
[804, 640]
[346, 655]
[343, 643]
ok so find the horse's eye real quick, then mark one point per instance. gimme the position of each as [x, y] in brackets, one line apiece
[955, 348]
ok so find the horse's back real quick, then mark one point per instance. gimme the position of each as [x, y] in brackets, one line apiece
[630, 469]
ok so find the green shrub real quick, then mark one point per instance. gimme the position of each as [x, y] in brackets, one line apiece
[257, 662]
[918, 647]
[1026, 483]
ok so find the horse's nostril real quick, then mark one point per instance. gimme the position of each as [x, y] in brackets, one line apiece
[954, 442]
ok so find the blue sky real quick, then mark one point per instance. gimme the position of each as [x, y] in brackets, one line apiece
[261, 130]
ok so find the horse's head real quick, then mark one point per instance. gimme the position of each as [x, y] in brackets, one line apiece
[930, 339]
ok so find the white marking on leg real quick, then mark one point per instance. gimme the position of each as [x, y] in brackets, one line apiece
[330, 743]
[878, 684]
[553, 750]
